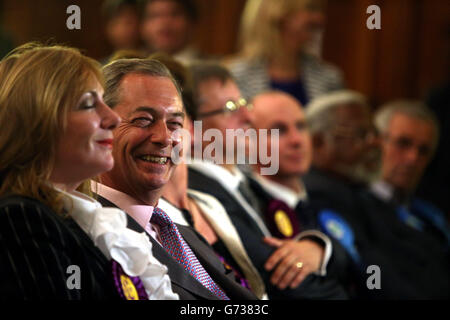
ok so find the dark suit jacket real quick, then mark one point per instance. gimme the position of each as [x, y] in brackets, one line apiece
[412, 264]
[36, 248]
[187, 287]
[313, 287]
[339, 263]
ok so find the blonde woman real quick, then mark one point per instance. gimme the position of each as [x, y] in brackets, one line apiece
[274, 39]
[56, 132]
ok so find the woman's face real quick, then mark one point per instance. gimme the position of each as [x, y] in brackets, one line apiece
[85, 148]
[298, 29]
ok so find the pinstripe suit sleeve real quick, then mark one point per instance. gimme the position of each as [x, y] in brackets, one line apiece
[35, 252]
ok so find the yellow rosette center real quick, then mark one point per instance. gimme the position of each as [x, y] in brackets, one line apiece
[284, 223]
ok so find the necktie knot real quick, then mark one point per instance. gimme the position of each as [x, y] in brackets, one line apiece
[160, 218]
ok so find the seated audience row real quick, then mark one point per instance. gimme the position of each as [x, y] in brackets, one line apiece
[91, 181]
[56, 136]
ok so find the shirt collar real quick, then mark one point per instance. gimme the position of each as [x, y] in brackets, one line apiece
[278, 191]
[139, 212]
[80, 207]
[173, 212]
[388, 193]
[382, 190]
[233, 179]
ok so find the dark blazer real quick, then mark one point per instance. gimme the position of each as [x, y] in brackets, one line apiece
[412, 265]
[187, 287]
[312, 287]
[339, 263]
[36, 248]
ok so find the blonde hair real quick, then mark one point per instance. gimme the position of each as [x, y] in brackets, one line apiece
[259, 33]
[39, 85]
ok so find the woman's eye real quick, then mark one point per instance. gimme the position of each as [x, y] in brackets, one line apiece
[141, 122]
[88, 102]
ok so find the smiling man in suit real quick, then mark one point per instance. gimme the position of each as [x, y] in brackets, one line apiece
[149, 102]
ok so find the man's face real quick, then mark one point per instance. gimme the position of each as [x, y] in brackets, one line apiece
[351, 144]
[407, 149]
[213, 95]
[166, 27]
[279, 111]
[151, 110]
[123, 29]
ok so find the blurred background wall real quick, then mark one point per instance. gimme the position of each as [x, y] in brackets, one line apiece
[406, 58]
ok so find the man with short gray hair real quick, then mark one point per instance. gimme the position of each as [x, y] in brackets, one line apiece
[147, 98]
[343, 136]
[345, 162]
[409, 135]
[410, 130]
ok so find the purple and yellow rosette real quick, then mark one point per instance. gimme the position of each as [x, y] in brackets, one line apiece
[129, 288]
[282, 221]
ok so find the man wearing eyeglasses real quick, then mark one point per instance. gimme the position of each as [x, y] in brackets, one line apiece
[291, 269]
[412, 264]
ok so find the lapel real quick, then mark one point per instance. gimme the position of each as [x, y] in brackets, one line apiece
[177, 274]
[201, 182]
[304, 214]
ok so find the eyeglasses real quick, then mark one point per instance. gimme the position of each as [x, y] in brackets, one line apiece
[229, 107]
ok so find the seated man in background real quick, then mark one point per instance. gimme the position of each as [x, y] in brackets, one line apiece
[148, 100]
[409, 136]
[290, 268]
[283, 195]
[122, 24]
[412, 266]
[168, 26]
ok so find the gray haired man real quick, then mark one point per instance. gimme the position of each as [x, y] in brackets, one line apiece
[409, 135]
[345, 163]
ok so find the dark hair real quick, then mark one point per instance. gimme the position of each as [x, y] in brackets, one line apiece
[189, 7]
[182, 75]
[111, 8]
[204, 71]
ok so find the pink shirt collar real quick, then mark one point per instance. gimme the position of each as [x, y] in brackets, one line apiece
[139, 212]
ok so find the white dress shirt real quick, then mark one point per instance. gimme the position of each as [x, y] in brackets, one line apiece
[292, 198]
[107, 227]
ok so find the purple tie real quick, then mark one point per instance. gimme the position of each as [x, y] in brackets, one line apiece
[175, 245]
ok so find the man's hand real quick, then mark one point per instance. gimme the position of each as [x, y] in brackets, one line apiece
[284, 261]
